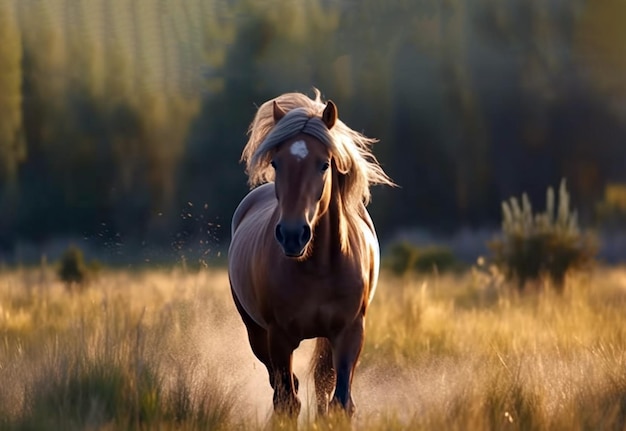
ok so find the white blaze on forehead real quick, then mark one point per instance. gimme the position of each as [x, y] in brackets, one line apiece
[299, 149]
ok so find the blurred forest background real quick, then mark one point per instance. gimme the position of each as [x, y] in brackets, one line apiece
[122, 122]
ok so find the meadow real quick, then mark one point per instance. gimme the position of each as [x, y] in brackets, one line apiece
[164, 349]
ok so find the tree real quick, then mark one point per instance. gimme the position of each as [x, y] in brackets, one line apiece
[12, 143]
[12, 140]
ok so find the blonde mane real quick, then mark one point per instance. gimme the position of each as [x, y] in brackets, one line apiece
[351, 151]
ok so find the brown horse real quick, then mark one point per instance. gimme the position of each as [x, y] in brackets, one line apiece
[304, 257]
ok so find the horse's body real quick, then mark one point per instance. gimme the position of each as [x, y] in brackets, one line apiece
[304, 258]
[300, 296]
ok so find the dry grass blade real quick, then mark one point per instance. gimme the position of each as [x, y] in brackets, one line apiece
[166, 350]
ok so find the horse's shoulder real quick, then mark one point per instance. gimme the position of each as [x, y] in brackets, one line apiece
[261, 195]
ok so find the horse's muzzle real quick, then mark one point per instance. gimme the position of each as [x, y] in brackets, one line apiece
[293, 238]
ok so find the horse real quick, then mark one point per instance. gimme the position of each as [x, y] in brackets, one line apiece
[304, 256]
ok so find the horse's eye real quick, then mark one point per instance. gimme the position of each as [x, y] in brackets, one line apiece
[325, 166]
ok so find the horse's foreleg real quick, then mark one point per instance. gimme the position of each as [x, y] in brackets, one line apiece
[281, 353]
[346, 350]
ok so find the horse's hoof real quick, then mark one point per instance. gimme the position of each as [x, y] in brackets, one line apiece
[287, 407]
[336, 406]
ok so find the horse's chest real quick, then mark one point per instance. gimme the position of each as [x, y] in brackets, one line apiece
[318, 311]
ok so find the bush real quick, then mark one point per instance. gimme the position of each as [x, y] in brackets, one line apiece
[404, 258]
[73, 270]
[611, 211]
[548, 244]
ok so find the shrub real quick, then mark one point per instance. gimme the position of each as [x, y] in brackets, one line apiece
[73, 270]
[404, 258]
[611, 211]
[548, 244]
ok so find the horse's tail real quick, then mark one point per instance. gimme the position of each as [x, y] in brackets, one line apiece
[323, 373]
[322, 356]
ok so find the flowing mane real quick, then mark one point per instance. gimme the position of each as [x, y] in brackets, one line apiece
[351, 150]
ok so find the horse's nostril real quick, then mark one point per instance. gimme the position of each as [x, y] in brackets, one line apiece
[305, 236]
[279, 233]
[293, 237]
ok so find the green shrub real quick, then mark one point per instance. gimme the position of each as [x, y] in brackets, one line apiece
[549, 244]
[610, 213]
[403, 258]
[73, 270]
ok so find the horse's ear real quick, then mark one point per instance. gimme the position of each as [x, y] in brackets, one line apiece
[278, 112]
[329, 116]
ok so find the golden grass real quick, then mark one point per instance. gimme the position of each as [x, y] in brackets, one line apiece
[166, 350]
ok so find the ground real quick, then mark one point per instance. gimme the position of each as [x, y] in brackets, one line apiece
[165, 349]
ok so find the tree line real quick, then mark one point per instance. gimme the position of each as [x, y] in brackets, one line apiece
[125, 120]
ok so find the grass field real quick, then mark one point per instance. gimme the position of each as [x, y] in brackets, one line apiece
[165, 349]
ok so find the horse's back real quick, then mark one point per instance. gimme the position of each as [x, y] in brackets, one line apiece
[259, 199]
[249, 231]
[250, 223]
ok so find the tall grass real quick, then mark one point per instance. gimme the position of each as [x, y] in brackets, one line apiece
[478, 356]
[116, 356]
[166, 350]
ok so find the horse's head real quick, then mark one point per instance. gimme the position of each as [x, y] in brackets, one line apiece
[303, 182]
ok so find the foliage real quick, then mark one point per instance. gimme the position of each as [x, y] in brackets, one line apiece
[12, 144]
[550, 244]
[611, 211]
[404, 257]
[122, 113]
[73, 270]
